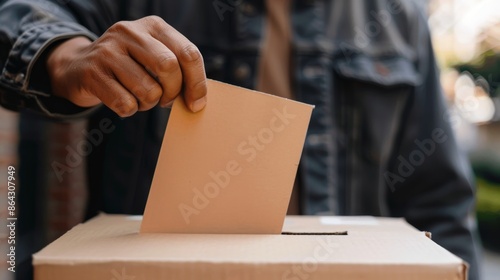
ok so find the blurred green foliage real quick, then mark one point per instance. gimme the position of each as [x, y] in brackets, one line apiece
[488, 198]
[488, 212]
[486, 66]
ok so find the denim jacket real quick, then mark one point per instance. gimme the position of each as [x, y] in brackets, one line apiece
[380, 140]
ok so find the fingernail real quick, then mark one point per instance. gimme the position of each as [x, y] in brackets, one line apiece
[199, 104]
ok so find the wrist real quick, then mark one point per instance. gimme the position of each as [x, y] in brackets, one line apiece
[59, 65]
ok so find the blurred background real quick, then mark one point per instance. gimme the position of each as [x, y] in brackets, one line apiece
[466, 36]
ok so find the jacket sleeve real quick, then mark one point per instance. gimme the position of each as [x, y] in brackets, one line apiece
[27, 30]
[432, 184]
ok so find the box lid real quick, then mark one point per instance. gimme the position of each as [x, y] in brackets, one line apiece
[111, 247]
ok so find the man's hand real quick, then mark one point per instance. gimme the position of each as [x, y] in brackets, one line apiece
[132, 67]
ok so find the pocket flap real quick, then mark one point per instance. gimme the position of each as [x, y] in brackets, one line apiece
[393, 71]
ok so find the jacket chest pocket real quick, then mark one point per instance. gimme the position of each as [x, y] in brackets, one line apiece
[370, 101]
[389, 74]
[371, 96]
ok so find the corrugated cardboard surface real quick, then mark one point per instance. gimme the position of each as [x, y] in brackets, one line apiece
[229, 168]
[111, 247]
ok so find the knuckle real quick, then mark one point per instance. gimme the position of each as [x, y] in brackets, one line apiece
[199, 86]
[154, 21]
[190, 53]
[120, 26]
[151, 94]
[166, 64]
[125, 107]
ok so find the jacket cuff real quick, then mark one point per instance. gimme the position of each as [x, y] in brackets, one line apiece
[19, 89]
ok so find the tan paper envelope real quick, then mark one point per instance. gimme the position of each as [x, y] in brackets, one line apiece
[229, 168]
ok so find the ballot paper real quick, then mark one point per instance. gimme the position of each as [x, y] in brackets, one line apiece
[229, 168]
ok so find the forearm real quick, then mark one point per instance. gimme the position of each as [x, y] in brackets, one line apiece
[27, 31]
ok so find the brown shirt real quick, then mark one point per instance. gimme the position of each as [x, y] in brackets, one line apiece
[274, 64]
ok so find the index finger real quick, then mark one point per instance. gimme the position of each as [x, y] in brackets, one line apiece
[191, 63]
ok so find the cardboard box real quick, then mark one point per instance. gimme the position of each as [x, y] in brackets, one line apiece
[110, 247]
